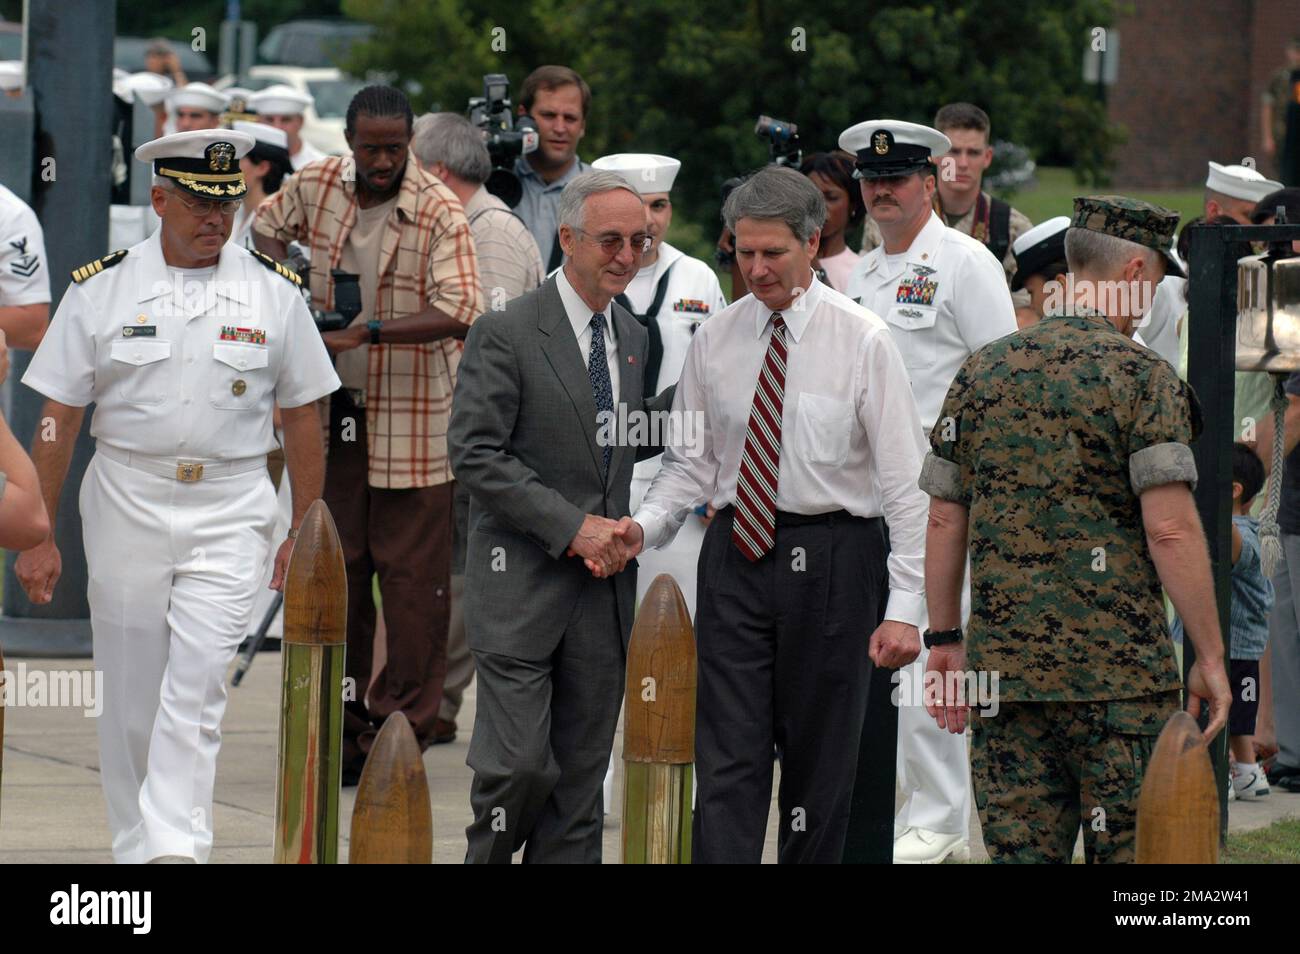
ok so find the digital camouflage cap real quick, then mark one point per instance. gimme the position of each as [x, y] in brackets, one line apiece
[1141, 222]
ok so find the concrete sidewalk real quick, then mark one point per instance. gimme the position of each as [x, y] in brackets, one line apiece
[52, 810]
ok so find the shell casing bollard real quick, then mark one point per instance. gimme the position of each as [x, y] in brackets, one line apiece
[1178, 807]
[392, 821]
[311, 702]
[659, 730]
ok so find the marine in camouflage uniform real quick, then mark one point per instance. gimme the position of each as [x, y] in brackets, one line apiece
[1048, 437]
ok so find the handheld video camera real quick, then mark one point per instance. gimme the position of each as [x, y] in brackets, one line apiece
[506, 136]
[783, 149]
[347, 294]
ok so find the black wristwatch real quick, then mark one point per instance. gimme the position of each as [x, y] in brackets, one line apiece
[942, 638]
[373, 325]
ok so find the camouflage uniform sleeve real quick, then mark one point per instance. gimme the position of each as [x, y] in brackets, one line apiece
[1167, 420]
[946, 472]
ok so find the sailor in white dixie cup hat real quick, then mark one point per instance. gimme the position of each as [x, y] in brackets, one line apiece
[183, 343]
[1232, 191]
[670, 296]
[1040, 259]
[943, 296]
[265, 168]
[283, 106]
[195, 106]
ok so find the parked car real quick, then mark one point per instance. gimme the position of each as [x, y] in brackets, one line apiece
[332, 90]
[312, 43]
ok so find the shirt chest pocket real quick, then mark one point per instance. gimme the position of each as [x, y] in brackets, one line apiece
[141, 368]
[913, 329]
[240, 375]
[823, 429]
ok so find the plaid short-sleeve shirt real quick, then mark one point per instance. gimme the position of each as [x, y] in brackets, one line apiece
[427, 260]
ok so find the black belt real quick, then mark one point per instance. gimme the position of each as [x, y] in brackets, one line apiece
[830, 518]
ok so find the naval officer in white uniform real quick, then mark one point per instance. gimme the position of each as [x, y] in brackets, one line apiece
[283, 107]
[184, 343]
[943, 296]
[671, 295]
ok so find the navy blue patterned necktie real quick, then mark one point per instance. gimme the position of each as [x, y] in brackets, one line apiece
[598, 370]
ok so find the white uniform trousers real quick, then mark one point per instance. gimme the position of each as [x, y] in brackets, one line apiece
[933, 763]
[173, 569]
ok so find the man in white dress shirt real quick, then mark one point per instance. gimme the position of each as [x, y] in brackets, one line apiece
[943, 296]
[810, 435]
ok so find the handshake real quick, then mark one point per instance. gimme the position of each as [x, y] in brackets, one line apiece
[606, 545]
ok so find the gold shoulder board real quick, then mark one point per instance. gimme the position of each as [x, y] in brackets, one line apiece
[283, 271]
[79, 275]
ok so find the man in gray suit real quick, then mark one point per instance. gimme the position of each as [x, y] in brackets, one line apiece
[548, 603]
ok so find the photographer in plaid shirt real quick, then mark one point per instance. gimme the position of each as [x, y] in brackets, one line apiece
[388, 483]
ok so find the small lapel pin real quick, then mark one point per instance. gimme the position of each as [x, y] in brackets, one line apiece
[631, 359]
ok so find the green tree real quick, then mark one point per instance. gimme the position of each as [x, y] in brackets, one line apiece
[674, 77]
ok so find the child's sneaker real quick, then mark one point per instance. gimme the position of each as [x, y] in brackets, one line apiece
[1248, 784]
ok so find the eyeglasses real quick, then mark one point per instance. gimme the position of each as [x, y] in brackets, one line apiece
[203, 208]
[613, 244]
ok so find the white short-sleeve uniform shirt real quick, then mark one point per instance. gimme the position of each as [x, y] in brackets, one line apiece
[183, 364]
[24, 271]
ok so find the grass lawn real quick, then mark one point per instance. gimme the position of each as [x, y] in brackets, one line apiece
[1278, 844]
[1055, 189]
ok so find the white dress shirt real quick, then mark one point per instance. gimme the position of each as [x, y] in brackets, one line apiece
[968, 306]
[580, 313]
[850, 436]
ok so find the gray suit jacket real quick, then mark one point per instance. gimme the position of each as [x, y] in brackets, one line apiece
[522, 439]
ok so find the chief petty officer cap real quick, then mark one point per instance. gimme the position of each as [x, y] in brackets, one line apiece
[1239, 182]
[1132, 219]
[198, 96]
[1041, 246]
[644, 172]
[202, 162]
[889, 147]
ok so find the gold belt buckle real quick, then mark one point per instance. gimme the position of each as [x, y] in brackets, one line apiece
[189, 472]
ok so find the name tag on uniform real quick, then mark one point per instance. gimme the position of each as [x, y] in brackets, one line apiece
[139, 331]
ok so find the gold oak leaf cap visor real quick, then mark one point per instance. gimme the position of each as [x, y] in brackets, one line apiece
[202, 162]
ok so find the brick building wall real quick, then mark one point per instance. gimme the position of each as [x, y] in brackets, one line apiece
[1191, 75]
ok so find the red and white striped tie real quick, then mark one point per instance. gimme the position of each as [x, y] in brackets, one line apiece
[754, 528]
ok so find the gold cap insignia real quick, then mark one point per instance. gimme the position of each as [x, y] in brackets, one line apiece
[221, 155]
